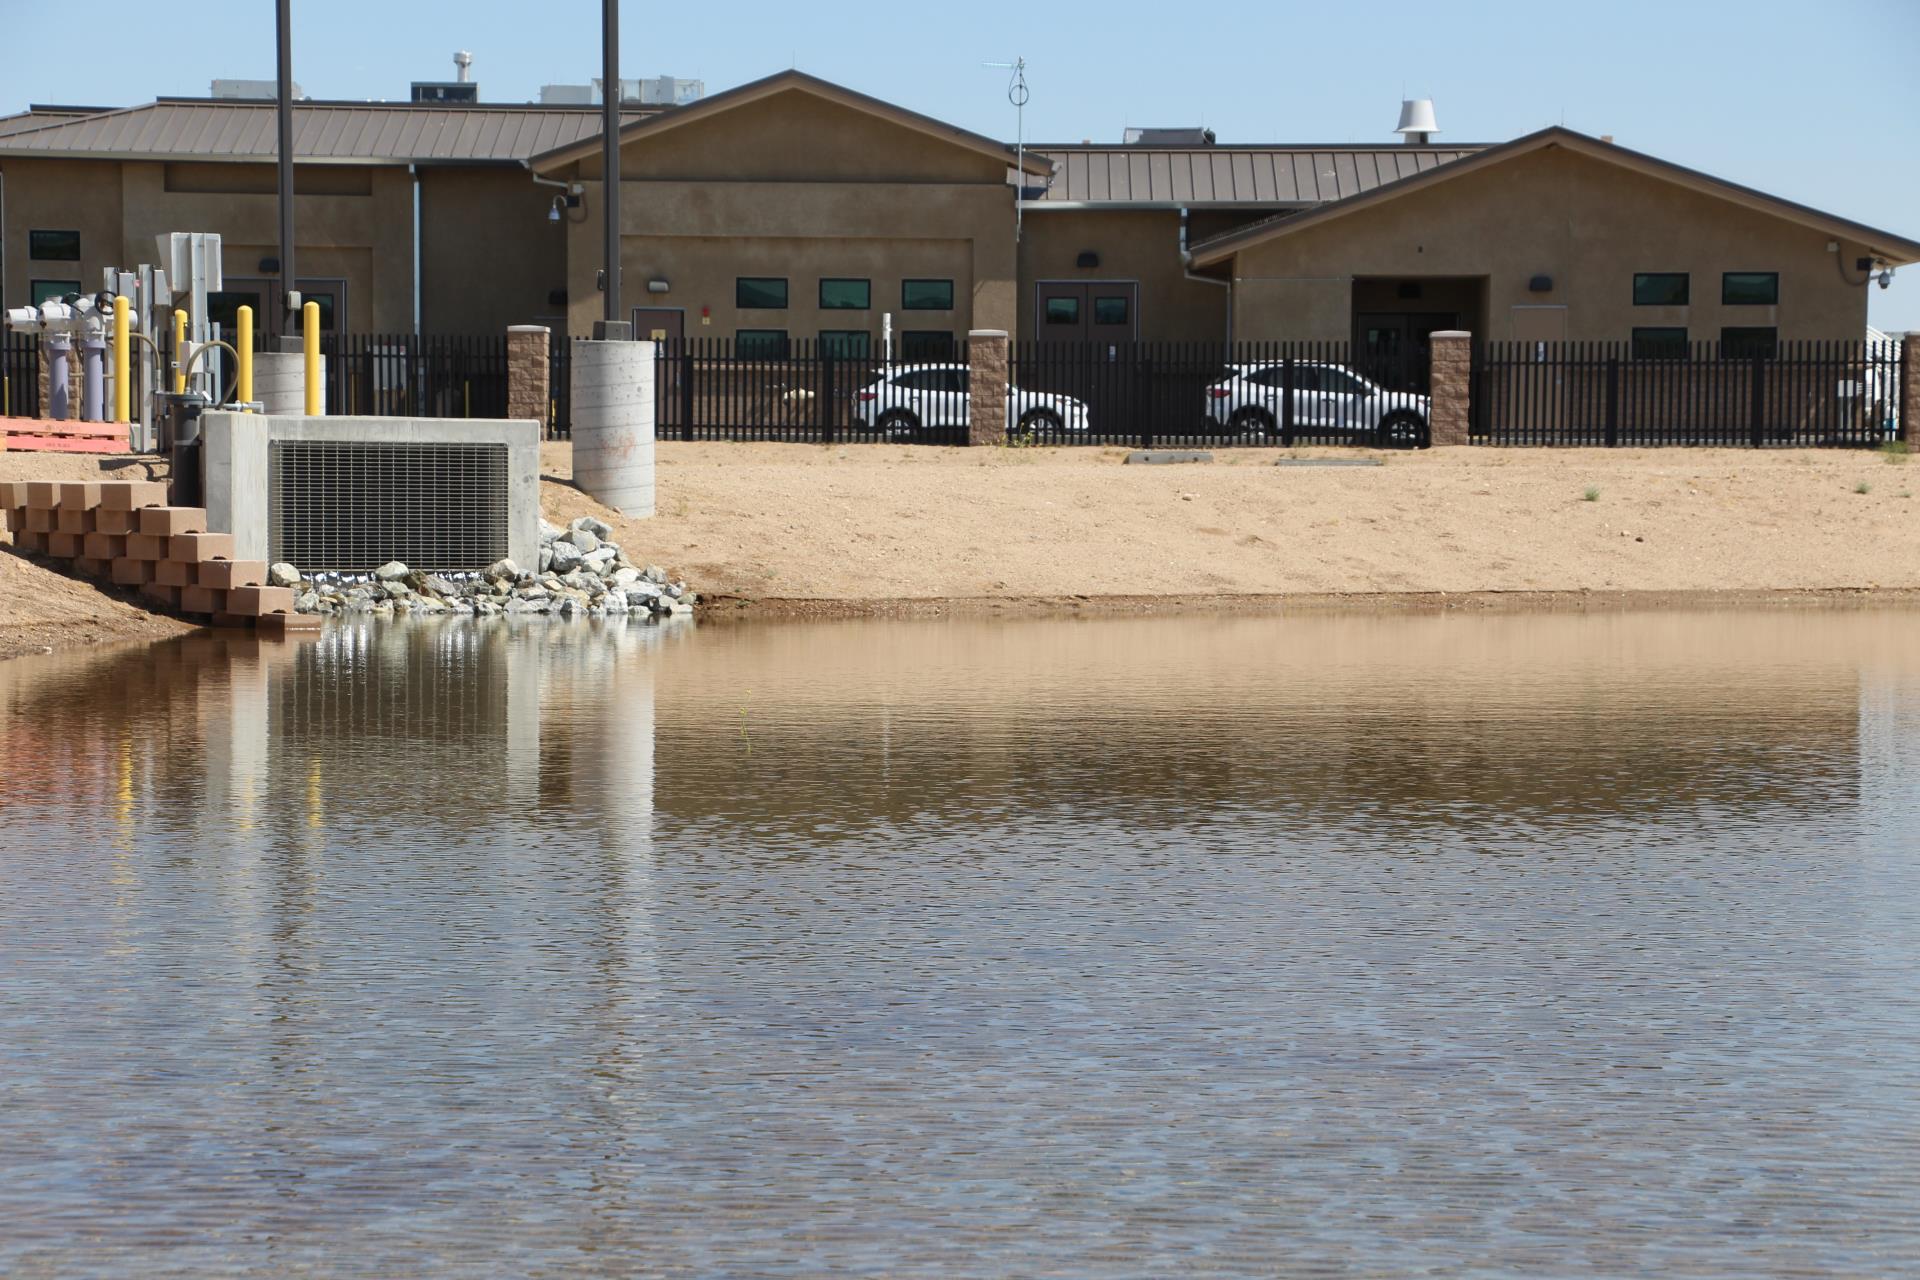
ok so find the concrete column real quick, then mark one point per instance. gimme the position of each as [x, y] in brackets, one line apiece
[613, 424]
[528, 363]
[1910, 390]
[1452, 386]
[280, 381]
[987, 410]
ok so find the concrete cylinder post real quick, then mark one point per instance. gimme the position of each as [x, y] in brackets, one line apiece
[93, 378]
[1910, 390]
[1451, 382]
[280, 381]
[613, 424]
[987, 353]
[529, 361]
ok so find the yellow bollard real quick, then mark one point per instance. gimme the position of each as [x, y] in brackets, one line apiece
[122, 362]
[243, 344]
[310, 338]
[180, 353]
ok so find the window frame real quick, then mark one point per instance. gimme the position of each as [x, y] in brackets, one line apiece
[1047, 305]
[741, 337]
[1727, 278]
[1729, 346]
[1686, 288]
[1659, 333]
[786, 293]
[907, 304]
[866, 293]
[830, 337]
[33, 246]
[1126, 309]
[35, 297]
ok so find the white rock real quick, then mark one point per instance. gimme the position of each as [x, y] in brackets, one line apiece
[391, 571]
[283, 575]
[503, 569]
[585, 539]
[598, 528]
[565, 556]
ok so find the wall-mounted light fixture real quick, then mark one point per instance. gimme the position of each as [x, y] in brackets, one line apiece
[269, 266]
[657, 286]
[1088, 259]
[1540, 284]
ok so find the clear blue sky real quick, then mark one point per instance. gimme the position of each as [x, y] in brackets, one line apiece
[1818, 103]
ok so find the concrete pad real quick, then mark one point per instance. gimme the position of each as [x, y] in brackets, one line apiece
[1329, 462]
[1166, 457]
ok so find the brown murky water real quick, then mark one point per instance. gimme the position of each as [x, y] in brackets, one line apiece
[1504, 946]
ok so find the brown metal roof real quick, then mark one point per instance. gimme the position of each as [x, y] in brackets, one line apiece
[35, 117]
[1230, 175]
[335, 132]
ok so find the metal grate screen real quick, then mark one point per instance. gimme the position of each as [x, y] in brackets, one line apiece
[349, 507]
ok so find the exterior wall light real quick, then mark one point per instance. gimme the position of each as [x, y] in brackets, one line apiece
[657, 286]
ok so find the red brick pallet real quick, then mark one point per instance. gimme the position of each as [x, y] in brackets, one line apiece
[44, 435]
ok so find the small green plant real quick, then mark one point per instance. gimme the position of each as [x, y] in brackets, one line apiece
[1863, 488]
[1591, 495]
[1895, 451]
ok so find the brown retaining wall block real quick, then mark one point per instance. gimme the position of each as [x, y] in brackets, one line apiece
[13, 494]
[43, 494]
[132, 495]
[202, 600]
[31, 541]
[225, 575]
[83, 495]
[103, 546]
[122, 522]
[280, 624]
[40, 519]
[253, 602]
[160, 593]
[92, 566]
[167, 522]
[145, 546]
[131, 573]
[74, 520]
[192, 548]
[174, 573]
[67, 546]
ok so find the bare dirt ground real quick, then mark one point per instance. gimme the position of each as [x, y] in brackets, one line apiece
[770, 528]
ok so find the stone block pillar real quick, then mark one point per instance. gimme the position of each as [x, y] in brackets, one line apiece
[987, 351]
[1452, 386]
[529, 362]
[1910, 390]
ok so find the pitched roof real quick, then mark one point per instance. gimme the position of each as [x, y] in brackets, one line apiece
[781, 82]
[323, 132]
[1896, 249]
[1247, 177]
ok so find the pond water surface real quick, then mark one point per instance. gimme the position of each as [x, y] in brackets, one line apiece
[1337, 945]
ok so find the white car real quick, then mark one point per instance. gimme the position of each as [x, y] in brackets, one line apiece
[909, 397]
[1327, 400]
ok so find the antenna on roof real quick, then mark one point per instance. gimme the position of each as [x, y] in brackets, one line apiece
[1017, 94]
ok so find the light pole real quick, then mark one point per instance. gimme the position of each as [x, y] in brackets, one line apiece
[283, 107]
[613, 325]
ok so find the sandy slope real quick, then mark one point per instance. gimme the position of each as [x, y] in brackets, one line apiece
[886, 523]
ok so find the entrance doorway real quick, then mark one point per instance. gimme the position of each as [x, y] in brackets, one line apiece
[1395, 349]
[1086, 311]
[242, 291]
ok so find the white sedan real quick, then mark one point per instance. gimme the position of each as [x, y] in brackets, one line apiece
[907, 398]
[1327, 400]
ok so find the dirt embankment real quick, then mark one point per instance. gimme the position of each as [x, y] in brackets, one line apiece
[769, 528]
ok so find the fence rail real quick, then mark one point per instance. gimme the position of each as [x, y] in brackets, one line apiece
[19, 375]
[1796, 394]
[416, 376]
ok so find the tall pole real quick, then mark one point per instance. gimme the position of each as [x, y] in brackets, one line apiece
[284, 109]
[610, 150]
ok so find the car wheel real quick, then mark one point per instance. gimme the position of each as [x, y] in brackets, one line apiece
[1037, 425]
[898, 422]
[1403, 431]
[1251, 422]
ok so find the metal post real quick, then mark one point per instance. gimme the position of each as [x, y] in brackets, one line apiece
[614, 323]
[1759, 405]
[310, 341]
[243, 344]
[122, 360]
[289, 282]
[1613, 401]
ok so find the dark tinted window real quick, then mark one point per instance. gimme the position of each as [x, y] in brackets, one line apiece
[760, 293]
[45, 290]
[1750, 288]
[760, 344]
[923, 380]
[926, 295]
[925, 344]
[1063, 311]
[846, 344]
[1743, 343]
[1110, 311]
[54, 246]
[1659, 344]
[1661, 289]
[845, 295]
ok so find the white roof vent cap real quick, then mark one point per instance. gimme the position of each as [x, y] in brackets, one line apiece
[1417, 124]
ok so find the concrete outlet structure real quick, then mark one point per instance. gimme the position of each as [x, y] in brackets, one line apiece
[348, 494]
[613, 424]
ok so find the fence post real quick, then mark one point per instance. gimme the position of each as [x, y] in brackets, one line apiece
[686, 395]
[529, 366]
[1143, 394]
[987, 390]
[1613, 401]
[1910, 390]
[1286, 405]
[1450, 374]
[827, 402]
[1756, 409]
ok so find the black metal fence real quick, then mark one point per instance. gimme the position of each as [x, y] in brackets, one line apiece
[560, 389]
[1153, 395]
[806, 392]
[416, 376]
[1588, 394]
[19, 375]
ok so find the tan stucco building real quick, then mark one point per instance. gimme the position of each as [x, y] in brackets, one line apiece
[793, 209]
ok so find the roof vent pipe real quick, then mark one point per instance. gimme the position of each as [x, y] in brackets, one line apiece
[463, 66]
[1417, 125]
